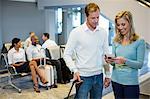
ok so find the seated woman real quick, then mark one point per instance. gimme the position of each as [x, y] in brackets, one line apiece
[16, 58]
[36, 52]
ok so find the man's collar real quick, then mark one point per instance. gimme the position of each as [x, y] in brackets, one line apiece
[85, 27]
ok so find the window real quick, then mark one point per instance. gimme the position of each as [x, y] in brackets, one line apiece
[108, 26]
[59, 20]
[76, 16]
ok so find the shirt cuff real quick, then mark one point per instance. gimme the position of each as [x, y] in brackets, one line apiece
[75, 70]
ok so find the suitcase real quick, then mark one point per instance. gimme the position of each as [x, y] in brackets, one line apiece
[48, 72]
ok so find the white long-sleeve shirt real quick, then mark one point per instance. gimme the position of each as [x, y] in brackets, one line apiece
[16, 56]
[48, 43]
[89, 48]
[35, 52]
[27, 43]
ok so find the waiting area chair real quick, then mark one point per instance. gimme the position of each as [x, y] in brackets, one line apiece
[54, 52]
[12, 74]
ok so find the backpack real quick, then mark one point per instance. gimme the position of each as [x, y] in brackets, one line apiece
[4, 49]
[66, 73]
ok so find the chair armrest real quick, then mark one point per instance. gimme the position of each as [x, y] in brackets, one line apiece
[12, 70]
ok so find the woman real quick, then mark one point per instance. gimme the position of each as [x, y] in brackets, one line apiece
[16, 58]
[129, 56]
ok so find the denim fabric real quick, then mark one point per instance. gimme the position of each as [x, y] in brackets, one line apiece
[92, 86]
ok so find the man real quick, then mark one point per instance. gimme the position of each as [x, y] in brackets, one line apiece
[28, 40]
[35, 51]
[47, 42]
[89, 44]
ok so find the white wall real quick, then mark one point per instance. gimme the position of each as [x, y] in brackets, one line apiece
[110, 8]
[50, 23]
[19, 18]
[0, 24]
[148, 32]
[141, 15]
[54, 3]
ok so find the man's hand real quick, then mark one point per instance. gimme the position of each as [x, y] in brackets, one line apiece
[77, 76]
[107, 82]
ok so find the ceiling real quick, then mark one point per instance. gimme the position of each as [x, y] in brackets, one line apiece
[143, 2]
[25, 0]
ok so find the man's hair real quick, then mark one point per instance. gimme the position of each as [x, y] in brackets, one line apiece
[31, 33]
[46, 35]
[91, 7]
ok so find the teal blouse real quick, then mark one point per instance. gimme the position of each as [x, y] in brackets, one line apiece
[127, 74]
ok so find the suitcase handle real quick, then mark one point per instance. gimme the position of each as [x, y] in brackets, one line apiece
[71, 89]
[42, 50]
[74, 82]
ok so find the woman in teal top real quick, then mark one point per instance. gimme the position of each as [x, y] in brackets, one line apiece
[129, 56]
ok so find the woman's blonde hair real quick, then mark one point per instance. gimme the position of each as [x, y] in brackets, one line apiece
[132, 35]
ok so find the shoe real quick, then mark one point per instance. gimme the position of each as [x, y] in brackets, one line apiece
[54, 86]
[61, 82]
[36, 89]
[45, 82]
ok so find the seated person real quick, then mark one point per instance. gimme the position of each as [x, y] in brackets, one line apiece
[35, 52]
[50, 43]
[28, 40]
[47, 41]
[16, 58]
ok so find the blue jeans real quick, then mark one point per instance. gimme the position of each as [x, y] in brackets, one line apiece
[125, 91]
[92, 86]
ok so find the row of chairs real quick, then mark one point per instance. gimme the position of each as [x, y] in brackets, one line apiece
[54, 52]
[11, 73]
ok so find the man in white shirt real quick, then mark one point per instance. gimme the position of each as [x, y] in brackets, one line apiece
[89, 44]
[47, 44]
[28, 40]
[35, 51]
[47, 41]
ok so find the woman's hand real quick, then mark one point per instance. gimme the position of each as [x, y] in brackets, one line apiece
[109, 59]
[119, 60]
[21, 63]
[18, 64]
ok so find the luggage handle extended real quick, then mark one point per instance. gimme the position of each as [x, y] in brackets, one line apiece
[73, 83]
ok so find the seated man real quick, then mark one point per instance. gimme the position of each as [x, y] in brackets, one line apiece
[16, 58]
[28, 40]
[47, 41]
[34, 52]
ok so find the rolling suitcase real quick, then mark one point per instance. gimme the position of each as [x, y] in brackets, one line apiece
[48, 72]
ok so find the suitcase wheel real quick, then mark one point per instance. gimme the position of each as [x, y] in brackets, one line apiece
[47, 88]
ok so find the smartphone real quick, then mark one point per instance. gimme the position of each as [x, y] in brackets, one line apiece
[110, 56]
